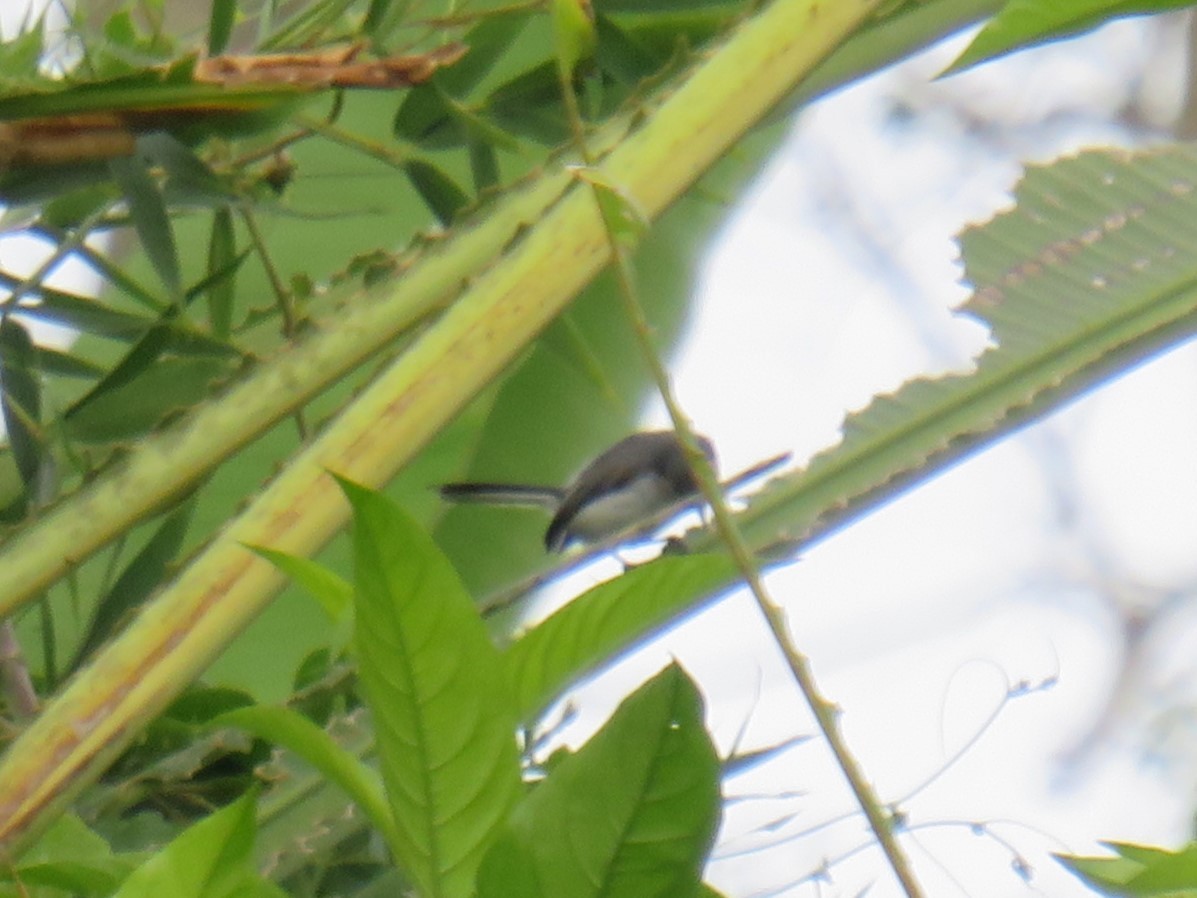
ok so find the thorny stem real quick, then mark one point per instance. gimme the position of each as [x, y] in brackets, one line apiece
[826, 714]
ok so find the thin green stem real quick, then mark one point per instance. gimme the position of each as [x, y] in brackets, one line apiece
[881, 821]
[282, 296]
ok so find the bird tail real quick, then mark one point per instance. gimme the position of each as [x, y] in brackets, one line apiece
[503, 494]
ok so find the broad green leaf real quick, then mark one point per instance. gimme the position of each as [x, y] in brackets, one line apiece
[73, 858]
[1025, 23]
[444, 718]
[631, 815]
[333, 593]
[602, 623]
[147, 209]
[293, 731]
[210, 859]
[148, 569]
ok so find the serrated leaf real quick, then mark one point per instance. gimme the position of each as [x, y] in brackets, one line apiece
[1025, 23]
[632, 814]
[209, 859]
[1173, 874]
[1094, 269]
[149, 568]
[293, 731]
[606, 621]
[435, 684]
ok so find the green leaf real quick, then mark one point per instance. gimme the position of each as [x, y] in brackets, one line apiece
[149, 568]
[188, 179]
[147, 210]
[626, 221]
[606, 621]
[439, 191]
[135, 407]
[73, 858]
[80, 313]
[1094, 269]
[445, 721]
[1173, 873]
[220, 25]
[631, 815]
[210, 859]
[222, 249]
[333, 593]
[20, 57]
[293, 731]
[21, 401]
[171, 367]
[66, 364]
[573, 33]
[1025, 23]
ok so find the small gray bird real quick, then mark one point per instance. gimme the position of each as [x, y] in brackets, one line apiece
[638, 476]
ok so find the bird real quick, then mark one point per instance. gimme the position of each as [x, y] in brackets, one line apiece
[641, 474]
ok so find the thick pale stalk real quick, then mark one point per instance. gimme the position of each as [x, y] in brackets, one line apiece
[181, 632]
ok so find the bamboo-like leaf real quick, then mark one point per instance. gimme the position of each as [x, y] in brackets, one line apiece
[220, 25]
[80, 313]
[134, 409]
[21, 400]
[573, 33]
[631, 815]
[444, 717]
[147, 210]
[149, 567]
[293, 731]
[222, 249]
[438, 190]
[606, 621]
